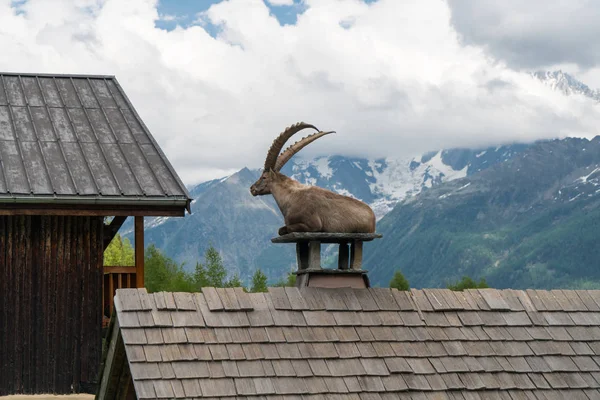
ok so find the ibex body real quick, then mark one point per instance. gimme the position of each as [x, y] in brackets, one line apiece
[309, 208]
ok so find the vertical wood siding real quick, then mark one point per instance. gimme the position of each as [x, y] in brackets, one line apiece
[50, 303]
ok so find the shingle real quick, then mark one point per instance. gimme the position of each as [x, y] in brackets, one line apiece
[283, 368]
[190, 369]
[452, 381]
[560, 363]
[494, 299]
[587, 300]
[470, 318]
[538, 333]
[217, 387]
[213, 300]
[332, 299]
[325, 350]
[346, 350]
[184, 301]
[384, 298]
[383, 349]
[319, 367]
[152, 353]
[403, 299]
[173, 335]
[163, 389]
[279, 298]
[261, 315]
[216, 370]
[275, 334]
[366, 300]
[346, 334]
[250, 368]
[133, 336]
[145, 371]
[370, 383]
[345, 367]
[264, 386]
[519, 364]
[411, 318]
[218, 351]
[128, 319]
[235, 351]
[585, 318]
[291, 350]
[581, 348]
[416, 382]
[473, 364]
[454, 348]
[290, 386]
[230, 368]
[302, 368]
[454, 364]
[296, 299]
[585, 363]
[161, 318]
[420, 365]
[202, 352]
[187, 319]
[135, 353]
[191, 387]
[223, 335]
[436, 319]
[245, 386]
[436, 299]
[166, 370]
[335, 385]
[187, 351]
[258, 335]
[374, 366]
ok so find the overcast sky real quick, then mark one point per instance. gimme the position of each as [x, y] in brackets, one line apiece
[216, 81]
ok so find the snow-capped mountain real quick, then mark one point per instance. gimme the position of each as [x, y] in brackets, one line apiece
[382, 183]
[567, 84]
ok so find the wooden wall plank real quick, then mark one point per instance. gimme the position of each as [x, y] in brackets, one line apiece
[51, 292]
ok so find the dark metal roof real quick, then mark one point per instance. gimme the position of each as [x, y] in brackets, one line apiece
[375, 343]
[78, 139]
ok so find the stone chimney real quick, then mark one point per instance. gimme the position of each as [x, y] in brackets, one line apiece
[349, 272]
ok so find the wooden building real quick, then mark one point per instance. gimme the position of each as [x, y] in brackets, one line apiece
[317, 343]
[72, 151]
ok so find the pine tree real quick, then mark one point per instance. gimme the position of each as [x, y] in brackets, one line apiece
[235, 281]
[259, 282]
[215, 270]
[200, 278]
[399, 282]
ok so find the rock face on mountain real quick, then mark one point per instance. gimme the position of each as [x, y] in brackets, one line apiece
[225, 215]
[532, 221]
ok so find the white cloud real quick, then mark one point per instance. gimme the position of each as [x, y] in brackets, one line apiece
[281, 2]
[391, 77]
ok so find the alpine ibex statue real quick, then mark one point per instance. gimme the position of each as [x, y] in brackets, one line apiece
[309, 208]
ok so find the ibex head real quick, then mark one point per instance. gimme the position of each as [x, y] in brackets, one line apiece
[276, 161]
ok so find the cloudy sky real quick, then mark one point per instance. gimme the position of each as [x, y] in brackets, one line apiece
[215, 81]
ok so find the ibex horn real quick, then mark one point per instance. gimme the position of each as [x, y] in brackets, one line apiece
[296, 147]
[280, 141]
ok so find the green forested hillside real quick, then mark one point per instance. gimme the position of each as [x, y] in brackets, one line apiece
[531, 222]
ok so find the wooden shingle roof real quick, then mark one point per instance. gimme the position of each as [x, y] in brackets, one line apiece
[77, 139]
[360, 344]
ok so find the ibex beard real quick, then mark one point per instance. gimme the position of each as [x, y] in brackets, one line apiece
[309, 208]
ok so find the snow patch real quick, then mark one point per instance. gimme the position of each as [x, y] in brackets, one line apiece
[480, 154]
[322, 166]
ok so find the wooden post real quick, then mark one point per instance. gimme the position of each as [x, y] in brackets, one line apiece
[302, 255]
[343, 256]
[314, 254]
[139, 252]
[356, 251]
